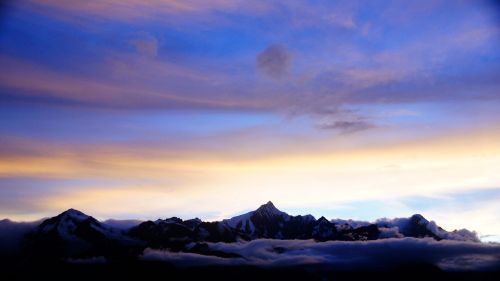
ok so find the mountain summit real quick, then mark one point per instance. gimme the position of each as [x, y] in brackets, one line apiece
[269, 210]
[74, 233]
[69, 224]
[261, 222]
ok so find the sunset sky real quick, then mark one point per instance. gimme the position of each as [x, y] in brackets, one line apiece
[195, 108]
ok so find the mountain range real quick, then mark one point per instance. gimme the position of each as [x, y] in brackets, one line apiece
[73, 234]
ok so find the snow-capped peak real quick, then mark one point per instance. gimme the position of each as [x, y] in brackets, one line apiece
[269, 210]
[65, 222]
[73, 214]
[240, 221]
[245, 222]
[69, 224]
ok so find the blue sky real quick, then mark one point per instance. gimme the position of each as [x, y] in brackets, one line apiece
[341, 107]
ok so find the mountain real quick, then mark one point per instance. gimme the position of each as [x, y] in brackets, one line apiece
[75, 234]
[419, 227]
[174, 233]
[121, 224]
[73, 224]
[269, 222]
[265, 222]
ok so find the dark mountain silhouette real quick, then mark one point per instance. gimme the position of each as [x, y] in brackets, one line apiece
[77, 246]
[418, 227]
[75, 234]
[269, 222]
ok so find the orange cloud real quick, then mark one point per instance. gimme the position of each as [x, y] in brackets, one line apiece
[152, 179]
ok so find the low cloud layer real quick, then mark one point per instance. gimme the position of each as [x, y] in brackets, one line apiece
[340, 255]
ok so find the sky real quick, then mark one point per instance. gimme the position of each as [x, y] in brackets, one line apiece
[347, 109]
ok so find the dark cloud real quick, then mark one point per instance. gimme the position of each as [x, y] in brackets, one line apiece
[341, 255]
[89, 260]
[188, 259]
[274, 61]
[12, 233]
[348, 126]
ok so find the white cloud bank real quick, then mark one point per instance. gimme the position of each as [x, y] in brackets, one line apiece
[340, 255]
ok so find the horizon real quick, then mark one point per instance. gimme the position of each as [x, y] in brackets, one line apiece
[343, 109]
[184, 218]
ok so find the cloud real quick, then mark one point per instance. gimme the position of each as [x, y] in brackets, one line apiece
[90, 260]
[169, 11]
[187, 78]
[161, 173]
[146, 45]
[188, 89]
[274, 61]
[344, 20]
[348, 126]
[12, 233]
[188, 259]
[340, 255]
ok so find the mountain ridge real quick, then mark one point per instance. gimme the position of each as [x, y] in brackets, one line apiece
[278, 242]
[74, 233]
[267, 221]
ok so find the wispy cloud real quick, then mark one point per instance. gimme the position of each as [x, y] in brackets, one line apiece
[335, 69]
[32, 81]
[131, 10]
[146, 44]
